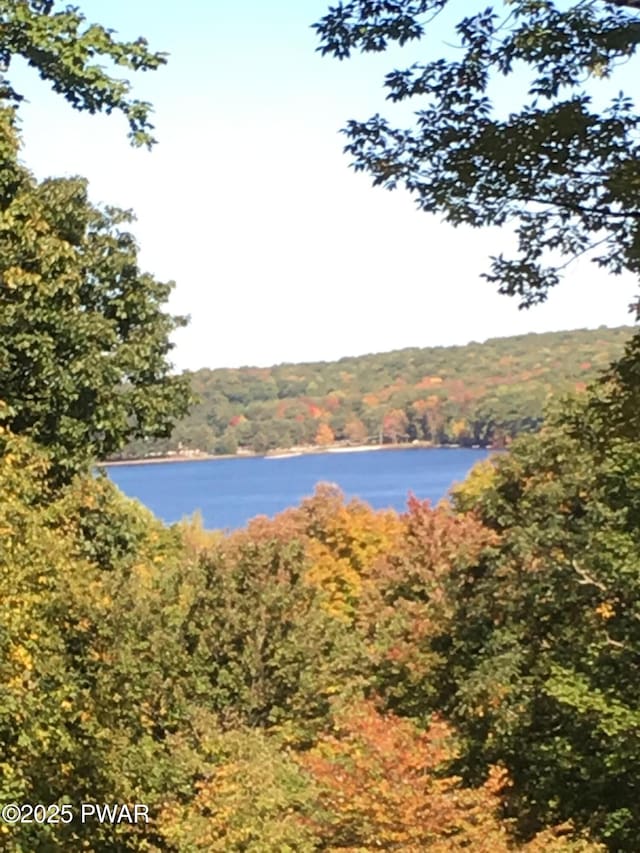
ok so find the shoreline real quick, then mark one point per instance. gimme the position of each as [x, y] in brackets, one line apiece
[283, 453]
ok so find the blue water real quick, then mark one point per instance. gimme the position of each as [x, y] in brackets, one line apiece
[228, 492]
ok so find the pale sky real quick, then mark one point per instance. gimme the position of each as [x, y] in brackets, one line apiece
[278, 250]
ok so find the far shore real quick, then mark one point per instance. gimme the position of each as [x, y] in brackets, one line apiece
[282, 453]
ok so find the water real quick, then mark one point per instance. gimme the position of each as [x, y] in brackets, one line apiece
[228, 492]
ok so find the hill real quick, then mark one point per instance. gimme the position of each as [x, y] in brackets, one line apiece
[481, 393]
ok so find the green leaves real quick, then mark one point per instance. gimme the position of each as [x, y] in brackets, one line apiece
[69, 54]
[84, 338]
[548, 168]
[544, 645]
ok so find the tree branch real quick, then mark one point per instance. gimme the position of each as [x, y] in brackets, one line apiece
[586, 579]
[631, 4]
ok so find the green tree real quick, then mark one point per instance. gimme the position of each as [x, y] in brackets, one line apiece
[266, 652]
[564, 172]
[94, 678]
[84, 339]
[67, 52]
[542, 653]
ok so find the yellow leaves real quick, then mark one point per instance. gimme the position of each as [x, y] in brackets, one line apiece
[335, 576]
[478, 481]
[14, 277]
[605, 610]
[459, 428]
[21, 657]
[194, 537]
[343, 544]
[250, 800]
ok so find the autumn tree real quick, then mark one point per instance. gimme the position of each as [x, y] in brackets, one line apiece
[343, 541]
[405, 612]
[382, 785]
[266, 652]
[355, 431]
[251, 798]
[561, 170]
[394, 425]
[324, 435]
[95, 678]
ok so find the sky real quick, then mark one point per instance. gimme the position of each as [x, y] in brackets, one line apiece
[279, 251]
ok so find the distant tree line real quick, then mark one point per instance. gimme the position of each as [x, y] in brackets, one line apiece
[478, 394]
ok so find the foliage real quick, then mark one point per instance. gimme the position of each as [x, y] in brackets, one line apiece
[94, 680]
[249, 801]
[476, 394]
[63, 48]
[562, 170]
[212, 678]
[405, 614]
[343, 543]
[264, 648]
[84, 338]
[543, 650]
[383, 785]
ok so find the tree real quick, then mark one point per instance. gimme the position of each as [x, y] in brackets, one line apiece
[266, 651]
[394, 425]
[324, 435]
[355, 431]
[383, 785]
[95, 678]
[250, 800]
[565, 173]
[83, 336]
[546, 627]
[84, 339]
[62, 47]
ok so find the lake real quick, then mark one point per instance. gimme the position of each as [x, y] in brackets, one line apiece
[228, 492]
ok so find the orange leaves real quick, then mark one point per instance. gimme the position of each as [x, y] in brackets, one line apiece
[429, 382]
[441, 538]
[355, 431]
[382, 786]
[407, 608]
[324, 435]
[394, 425]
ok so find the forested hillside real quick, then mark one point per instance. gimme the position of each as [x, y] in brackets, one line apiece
[464, 677]
[481, 393]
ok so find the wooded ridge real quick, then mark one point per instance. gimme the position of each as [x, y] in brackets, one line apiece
[481, 393]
